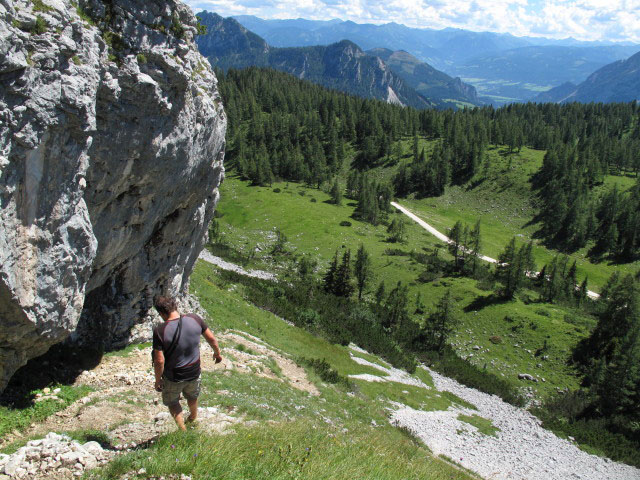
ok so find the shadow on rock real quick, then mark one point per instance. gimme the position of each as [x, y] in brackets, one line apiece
[62, 364]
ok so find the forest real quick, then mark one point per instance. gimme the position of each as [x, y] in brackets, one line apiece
[284, 128]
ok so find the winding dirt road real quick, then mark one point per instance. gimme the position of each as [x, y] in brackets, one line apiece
[444, 238]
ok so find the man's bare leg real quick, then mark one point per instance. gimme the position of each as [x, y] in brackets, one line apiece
[176, 413]
[193, 410]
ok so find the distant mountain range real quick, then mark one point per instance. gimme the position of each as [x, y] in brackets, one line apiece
[504, 68]
[342, 65]
[616, 82]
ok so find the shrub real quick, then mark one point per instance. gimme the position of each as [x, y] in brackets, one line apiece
[176, 27]
[40, 26]
[276, 190]
[426, 276]
[324, 371]
[201, 29]
[141, 58]
[39, 6]
[395, 252]
[314, 200]
[345, 223]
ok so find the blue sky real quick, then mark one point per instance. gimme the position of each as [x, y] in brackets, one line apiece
[612, 20]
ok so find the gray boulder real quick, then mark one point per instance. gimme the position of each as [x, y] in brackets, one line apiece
[111, 148]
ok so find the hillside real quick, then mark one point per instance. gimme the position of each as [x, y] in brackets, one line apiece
[342, 66]
[616, 82]
[425, 79]
[287, 403]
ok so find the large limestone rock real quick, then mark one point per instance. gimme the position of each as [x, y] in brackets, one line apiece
[111, 147]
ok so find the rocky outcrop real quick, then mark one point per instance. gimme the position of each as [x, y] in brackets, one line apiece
[111, 147]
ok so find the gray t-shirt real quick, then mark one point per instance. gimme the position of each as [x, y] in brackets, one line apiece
[183, 363]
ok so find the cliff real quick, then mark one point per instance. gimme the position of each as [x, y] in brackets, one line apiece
[111, 147]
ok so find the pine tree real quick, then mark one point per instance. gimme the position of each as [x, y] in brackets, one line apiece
[475, 244]
[455, 245]
[343, 286]
[396, 230]
[330, 277]
[442, 322]
[336, 193]
[395, 307]
[362, 270]
[380, 293]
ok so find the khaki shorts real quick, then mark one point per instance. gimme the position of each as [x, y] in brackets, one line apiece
[171, 391]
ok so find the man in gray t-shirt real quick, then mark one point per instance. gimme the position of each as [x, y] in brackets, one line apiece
[176, 357]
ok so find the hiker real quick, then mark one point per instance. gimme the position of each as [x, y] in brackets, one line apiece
[176, 357]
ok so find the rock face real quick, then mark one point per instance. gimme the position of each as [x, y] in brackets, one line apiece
[111, 147]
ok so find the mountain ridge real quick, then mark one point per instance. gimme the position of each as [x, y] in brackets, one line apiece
[616, 82]
[342, 65]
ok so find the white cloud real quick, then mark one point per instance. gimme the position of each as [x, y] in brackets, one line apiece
[582, 19]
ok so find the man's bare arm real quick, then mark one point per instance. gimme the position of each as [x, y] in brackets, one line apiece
[158, 367]
[211, 340]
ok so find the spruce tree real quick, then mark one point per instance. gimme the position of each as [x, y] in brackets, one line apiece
[362, 270]
[343, 286]
[330, 277]
[442, 322]
[336, 193]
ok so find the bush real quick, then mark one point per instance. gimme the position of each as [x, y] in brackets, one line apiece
[325, 372]
[426, 276]
[345, 223]
[314, 200]
[276, 190]
[40, 26]
[395, 252]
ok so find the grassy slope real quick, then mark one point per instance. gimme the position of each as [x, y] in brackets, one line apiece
[500, 196]
[294, 434]
[249, 215]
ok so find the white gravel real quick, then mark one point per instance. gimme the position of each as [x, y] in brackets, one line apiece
[391, 374]
[223, 264]
[521, 450]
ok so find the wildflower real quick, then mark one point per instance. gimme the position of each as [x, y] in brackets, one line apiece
[173, 446]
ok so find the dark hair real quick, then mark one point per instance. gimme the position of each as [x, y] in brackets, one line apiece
[164, 305]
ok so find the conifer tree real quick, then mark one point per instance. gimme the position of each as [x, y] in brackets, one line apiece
[396, 307]
[455, 245]
[362, 270]
[342, 285]
[330, 277]
[475, 244]
[442, 322]
[336, 193]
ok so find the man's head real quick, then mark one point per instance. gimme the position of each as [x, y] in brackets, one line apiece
[165, 305]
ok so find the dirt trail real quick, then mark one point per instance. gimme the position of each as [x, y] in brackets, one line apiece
[444, 238]
[127, 408]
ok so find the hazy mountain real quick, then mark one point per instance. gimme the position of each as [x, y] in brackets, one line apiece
[439, 48]
[502, 67]
[552, 65]
[342, 66]
[616, 82]
[425, 79]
